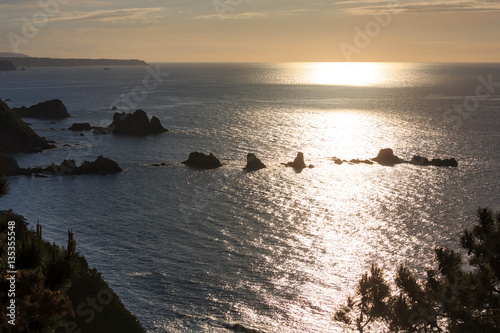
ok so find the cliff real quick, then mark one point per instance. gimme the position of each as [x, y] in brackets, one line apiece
[16, 136]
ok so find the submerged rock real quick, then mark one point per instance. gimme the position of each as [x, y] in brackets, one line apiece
[253, 163]
[386, 157]
[53, 109]
[201, 160]
[136, 124]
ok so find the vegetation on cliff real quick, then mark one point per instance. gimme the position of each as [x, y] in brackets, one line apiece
[55, 289]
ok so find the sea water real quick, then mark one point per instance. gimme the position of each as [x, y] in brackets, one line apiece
[276, 250]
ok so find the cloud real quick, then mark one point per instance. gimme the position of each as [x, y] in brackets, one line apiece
[107, 15]
[421, 7]
[254, 15]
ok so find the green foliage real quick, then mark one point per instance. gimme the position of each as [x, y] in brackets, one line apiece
[452, 298]
[51, 284]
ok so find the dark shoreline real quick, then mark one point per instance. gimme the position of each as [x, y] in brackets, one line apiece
[53, 62]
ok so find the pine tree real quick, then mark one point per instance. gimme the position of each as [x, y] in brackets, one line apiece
[453, 297]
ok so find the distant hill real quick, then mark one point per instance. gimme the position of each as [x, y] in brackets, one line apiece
[13, 55]
[53, 62]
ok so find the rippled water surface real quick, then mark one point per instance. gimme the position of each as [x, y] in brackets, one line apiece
[276, 250]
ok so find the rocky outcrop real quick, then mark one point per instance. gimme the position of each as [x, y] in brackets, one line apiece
[80, 127]
[200, 160]
[386, 157]
[10, 166]
[101, 130]
[253, 163]
[419, 160]
[53, 109]
[136, 124]
[298, 163]
[101, 165]
[6, 65]
[16, 136]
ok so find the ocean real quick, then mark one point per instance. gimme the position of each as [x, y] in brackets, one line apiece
[274, 250]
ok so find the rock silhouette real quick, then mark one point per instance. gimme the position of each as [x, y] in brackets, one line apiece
[16, 136]
[80, 127]
[203, 161]
[386, 157]
[136, 124]
[298, 163]
[101, 165]
[53, 109]
[419, 160]
[253, 163]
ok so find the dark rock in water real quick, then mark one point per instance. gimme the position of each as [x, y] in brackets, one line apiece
[40, 175]
[16, 136]
[53, 109]
[100, 165]
[386, 157]
[101, 130]
[136, 124]
[201, 160]
[337, 161]
[81, 134]
[114, 108]
[10, 167]
[298, 163]
[419, 160]
[444, 163]
[357, 161]
[253, 163]
[242, 329]
[160, 164]
[6, 65]
[80, 127]
[68, 167]
[156, 126]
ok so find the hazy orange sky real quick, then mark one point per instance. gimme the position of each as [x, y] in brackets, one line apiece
[254, 30]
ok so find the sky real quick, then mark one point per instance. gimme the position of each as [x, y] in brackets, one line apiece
[254, 30]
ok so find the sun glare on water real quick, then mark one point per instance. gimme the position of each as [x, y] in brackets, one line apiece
[345, 73]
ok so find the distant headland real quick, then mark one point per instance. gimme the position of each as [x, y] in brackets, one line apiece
[20, 61]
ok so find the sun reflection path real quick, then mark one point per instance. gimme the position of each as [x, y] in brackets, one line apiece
[345, 73]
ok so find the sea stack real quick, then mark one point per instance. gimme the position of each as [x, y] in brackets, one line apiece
[298, 163]
[53, 109]
[136, 124]
[200, 160]
[386, 157]
[253, 163]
